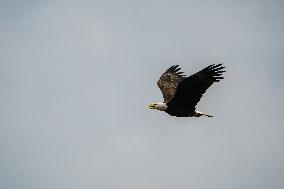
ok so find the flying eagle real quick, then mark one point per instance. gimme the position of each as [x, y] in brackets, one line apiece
[181, 94]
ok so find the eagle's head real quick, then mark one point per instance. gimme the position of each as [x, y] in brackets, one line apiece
[158, 106]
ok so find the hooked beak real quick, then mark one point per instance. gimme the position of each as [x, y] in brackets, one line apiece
[151, 106]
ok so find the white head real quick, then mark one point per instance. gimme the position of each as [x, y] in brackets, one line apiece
[158, 106]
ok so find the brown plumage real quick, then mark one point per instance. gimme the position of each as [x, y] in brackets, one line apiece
[169, 81]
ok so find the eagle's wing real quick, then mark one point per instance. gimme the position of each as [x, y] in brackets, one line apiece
[169, 81]
[191, 89]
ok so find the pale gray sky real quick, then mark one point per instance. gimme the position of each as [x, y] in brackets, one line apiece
[76, 77]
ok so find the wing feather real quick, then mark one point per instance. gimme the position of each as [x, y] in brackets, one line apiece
[169, 81]
[190, 90]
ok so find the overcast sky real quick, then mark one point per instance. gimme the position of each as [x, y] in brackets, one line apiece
[76, 78]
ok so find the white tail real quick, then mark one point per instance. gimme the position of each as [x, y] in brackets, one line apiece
[198, 114]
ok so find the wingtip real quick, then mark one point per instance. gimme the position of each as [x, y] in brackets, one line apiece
[174, 68]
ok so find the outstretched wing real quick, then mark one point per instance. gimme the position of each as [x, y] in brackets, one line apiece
[191, 89]
[169, 81]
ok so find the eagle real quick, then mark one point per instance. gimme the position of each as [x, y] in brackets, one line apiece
[181, 94]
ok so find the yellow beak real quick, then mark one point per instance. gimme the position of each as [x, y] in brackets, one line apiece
[151, 106]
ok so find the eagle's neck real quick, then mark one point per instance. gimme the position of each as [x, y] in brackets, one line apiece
[161, 106]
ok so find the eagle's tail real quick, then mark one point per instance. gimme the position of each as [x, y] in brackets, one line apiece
[198, 114]
[207, 115]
